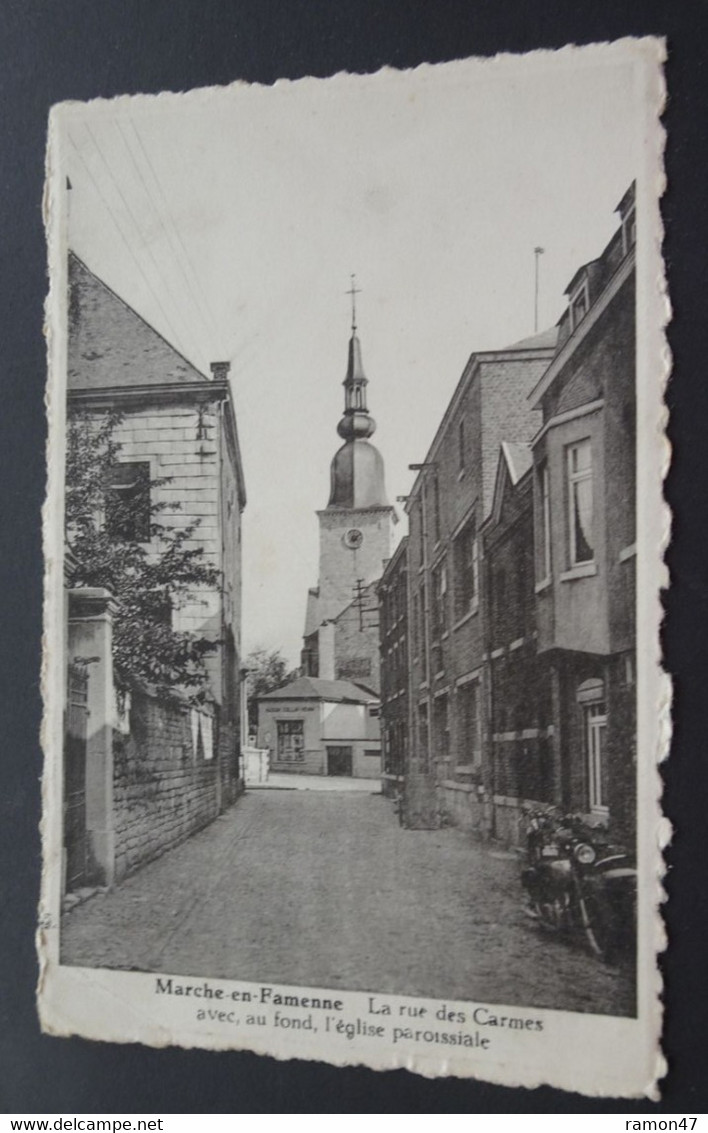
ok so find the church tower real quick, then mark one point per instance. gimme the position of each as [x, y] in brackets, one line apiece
[356, 528]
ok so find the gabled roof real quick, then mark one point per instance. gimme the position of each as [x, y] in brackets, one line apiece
[313, 688]
[515, 462]
[518, 458]
[583, 270]
[111, 345]
[530, 352]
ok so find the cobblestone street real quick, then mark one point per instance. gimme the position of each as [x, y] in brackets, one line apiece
[325, 889]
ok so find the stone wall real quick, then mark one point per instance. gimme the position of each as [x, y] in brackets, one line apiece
[356, 642]
[165, 785]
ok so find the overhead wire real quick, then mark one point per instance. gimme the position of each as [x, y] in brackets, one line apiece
[195, 294]
[117, 226]
[206, 320]
[250, 348]
[253, 341]
[177, 338]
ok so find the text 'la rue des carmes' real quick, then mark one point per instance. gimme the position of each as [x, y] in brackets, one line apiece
[481, 1016]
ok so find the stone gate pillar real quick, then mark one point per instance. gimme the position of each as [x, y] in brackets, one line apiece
[91, 611]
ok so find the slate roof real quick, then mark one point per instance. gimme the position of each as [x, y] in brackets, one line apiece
[111, 345]
[541, 341]
[314, 688]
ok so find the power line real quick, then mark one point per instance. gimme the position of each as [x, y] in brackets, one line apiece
[205, 310]
[118, 228]
[177, 298]
[176, 337]
[210, 330]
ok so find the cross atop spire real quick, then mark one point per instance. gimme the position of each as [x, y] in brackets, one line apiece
[353, 291]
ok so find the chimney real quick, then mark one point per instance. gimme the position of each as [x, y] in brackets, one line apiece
[220, 370]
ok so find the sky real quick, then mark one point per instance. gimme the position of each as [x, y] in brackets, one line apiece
[231, 220]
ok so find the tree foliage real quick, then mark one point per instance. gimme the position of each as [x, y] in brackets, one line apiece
[147, 578]
[267, 670]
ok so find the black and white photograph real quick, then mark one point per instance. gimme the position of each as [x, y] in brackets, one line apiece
[353, 704]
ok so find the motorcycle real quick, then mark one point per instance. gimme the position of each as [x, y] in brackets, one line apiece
[578, 882]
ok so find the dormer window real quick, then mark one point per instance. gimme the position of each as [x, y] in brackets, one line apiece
[579, 304]
[628, 220]
[629, 230]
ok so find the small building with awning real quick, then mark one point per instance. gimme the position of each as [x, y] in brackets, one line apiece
[313, 726]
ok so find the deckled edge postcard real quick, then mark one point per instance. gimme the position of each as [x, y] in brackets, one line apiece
[354, 535]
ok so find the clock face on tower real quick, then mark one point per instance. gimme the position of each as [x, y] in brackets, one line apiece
[353, 538]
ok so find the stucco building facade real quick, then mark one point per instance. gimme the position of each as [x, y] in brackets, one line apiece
[313, 726]
[177, 432]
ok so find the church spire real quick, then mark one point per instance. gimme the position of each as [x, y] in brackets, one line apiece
[356, 424]
[357, 470]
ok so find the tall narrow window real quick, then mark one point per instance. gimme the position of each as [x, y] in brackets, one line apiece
[461, 444]
[423, 738]
[499, 596]
[466, 581]
[544, 525]
[580, 501]
[424, 625]
[472, 724]
[127, 498]
[442, 725]
[440, 600]
[436, 507]
[596, 752]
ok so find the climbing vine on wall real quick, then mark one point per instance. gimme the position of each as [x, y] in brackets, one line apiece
[120, 540]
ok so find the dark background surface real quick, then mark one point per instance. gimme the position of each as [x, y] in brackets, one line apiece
[79, 49]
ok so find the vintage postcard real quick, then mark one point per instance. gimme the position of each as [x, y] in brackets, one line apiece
[353, 538]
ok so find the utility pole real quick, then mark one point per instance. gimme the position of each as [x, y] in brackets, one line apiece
[359, 601]
[538, 252]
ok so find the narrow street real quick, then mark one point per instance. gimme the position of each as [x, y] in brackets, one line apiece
[324, 888]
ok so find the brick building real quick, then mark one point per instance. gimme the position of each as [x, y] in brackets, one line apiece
[393, 631]
[149, 782]
[520, 731]
[450, 500]
[584, 517]
[521, 574]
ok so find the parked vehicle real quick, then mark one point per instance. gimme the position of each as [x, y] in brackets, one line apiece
[580, 883]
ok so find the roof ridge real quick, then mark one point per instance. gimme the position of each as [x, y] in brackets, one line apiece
[124, 302]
